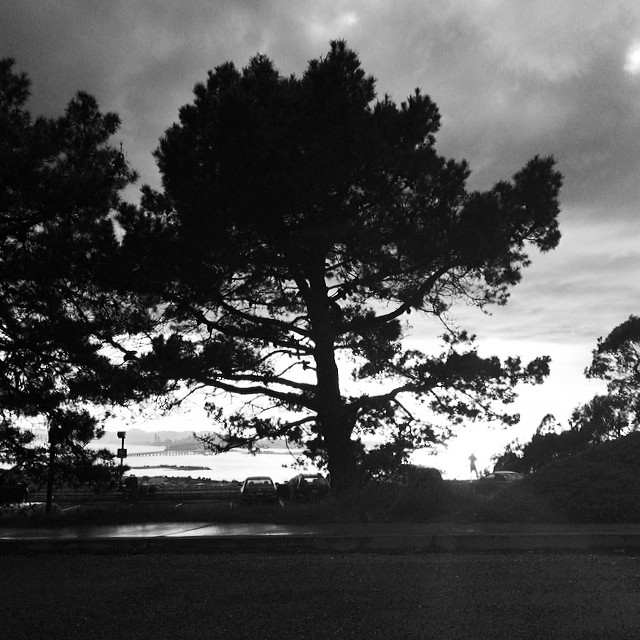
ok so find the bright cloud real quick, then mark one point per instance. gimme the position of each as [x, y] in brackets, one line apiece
[632, 62]
[323, 28]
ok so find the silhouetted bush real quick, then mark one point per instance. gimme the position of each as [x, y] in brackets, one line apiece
[517, 502]
[413, 494]
[599, 484]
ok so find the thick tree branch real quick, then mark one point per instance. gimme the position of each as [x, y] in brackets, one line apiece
[259, 390]
[362, 324]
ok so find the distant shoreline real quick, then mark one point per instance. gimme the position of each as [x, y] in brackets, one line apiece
[172, 466]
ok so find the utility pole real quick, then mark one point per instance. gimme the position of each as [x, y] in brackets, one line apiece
[122, 452]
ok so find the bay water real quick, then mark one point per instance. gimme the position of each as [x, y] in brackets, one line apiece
[148, 460]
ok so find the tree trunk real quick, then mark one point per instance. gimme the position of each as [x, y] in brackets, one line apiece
[52, 456]
[335, 426]
[334, 423]
[341, 456]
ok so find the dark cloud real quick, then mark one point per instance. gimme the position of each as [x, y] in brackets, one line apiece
[509, 82]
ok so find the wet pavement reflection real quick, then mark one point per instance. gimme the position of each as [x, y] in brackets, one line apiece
[206, 529]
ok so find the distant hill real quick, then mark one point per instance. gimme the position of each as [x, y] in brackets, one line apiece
[168, 438]
[139, 436]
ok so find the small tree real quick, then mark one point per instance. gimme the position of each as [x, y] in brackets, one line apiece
[616, 359]
[542, 449]
[300, 220]
[60, 181]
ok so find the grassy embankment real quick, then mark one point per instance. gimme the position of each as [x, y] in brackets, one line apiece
[601, 484]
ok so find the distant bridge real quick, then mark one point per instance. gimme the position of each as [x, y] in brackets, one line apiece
[168, 452]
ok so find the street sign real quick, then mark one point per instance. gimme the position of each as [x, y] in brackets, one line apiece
[122, 453]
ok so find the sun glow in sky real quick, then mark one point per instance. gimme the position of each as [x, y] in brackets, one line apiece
[511, 80]
[632, 63]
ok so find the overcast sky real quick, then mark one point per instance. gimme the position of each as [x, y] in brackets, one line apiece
[512, 78]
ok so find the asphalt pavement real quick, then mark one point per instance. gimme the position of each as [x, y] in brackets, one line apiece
[436, 537]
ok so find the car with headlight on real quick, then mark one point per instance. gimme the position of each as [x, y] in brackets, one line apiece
[258, 489]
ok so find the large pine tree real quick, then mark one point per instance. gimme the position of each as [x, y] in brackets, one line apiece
[300, 220]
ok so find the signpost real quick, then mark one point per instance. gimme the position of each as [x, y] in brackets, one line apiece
[122, 452]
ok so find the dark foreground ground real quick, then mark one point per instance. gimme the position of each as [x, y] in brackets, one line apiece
[232, 596]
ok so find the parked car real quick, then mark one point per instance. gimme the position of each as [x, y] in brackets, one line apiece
[258, 489]
[502, 476]
[306, 487]
[14, 488]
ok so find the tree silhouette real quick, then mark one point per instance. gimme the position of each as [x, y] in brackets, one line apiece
[300, 220]
[605, 417]
[59, 187]
[616, 359]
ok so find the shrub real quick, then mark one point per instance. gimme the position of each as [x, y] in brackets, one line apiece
[413, 494]
[599, 484]
[518, 502]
